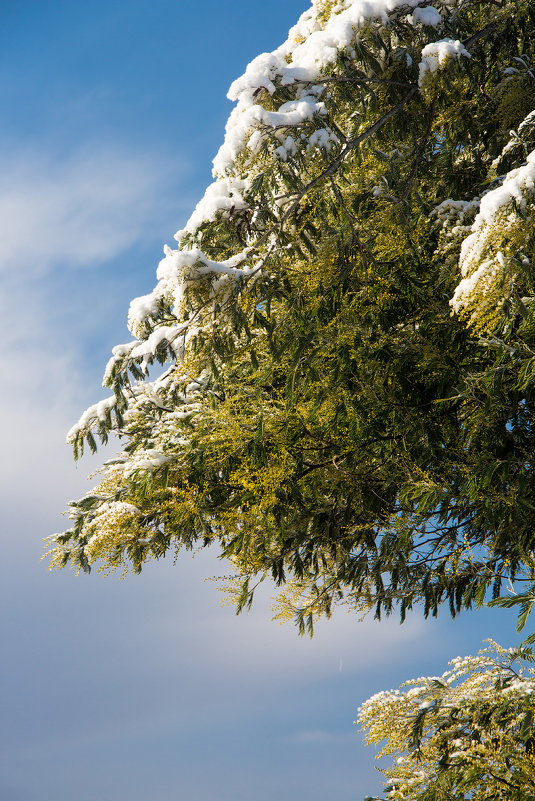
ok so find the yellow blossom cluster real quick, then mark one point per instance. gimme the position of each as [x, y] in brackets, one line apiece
[468, 730]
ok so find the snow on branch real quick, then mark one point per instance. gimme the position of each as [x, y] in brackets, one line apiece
[497, 235]
[98, 412]
[311, 49]
[436, 55]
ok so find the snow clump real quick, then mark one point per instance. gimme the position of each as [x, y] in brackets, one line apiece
[436, 55]
[494, 230]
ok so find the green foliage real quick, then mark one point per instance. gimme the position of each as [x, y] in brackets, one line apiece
[326, 419]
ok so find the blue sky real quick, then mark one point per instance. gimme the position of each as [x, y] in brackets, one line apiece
[144, 688]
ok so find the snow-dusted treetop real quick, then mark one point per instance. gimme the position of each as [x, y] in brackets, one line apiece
[329, 318]
[324, 32]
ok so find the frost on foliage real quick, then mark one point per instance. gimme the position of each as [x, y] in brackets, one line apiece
[495, 245]
[468, 721]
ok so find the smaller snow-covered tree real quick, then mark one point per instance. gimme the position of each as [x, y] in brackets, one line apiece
[466, 734]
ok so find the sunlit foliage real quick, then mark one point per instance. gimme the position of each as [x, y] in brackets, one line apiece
[347, 327]
[466, 734]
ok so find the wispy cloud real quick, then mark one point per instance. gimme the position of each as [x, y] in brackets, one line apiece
[76, 210]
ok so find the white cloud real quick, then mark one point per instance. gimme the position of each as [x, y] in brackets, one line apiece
[78, 210]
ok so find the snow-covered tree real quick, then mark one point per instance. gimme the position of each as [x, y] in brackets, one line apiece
[466, 734]
[346, 325]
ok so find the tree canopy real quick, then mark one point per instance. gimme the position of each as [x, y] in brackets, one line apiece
[465, 734]
[345, 328]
